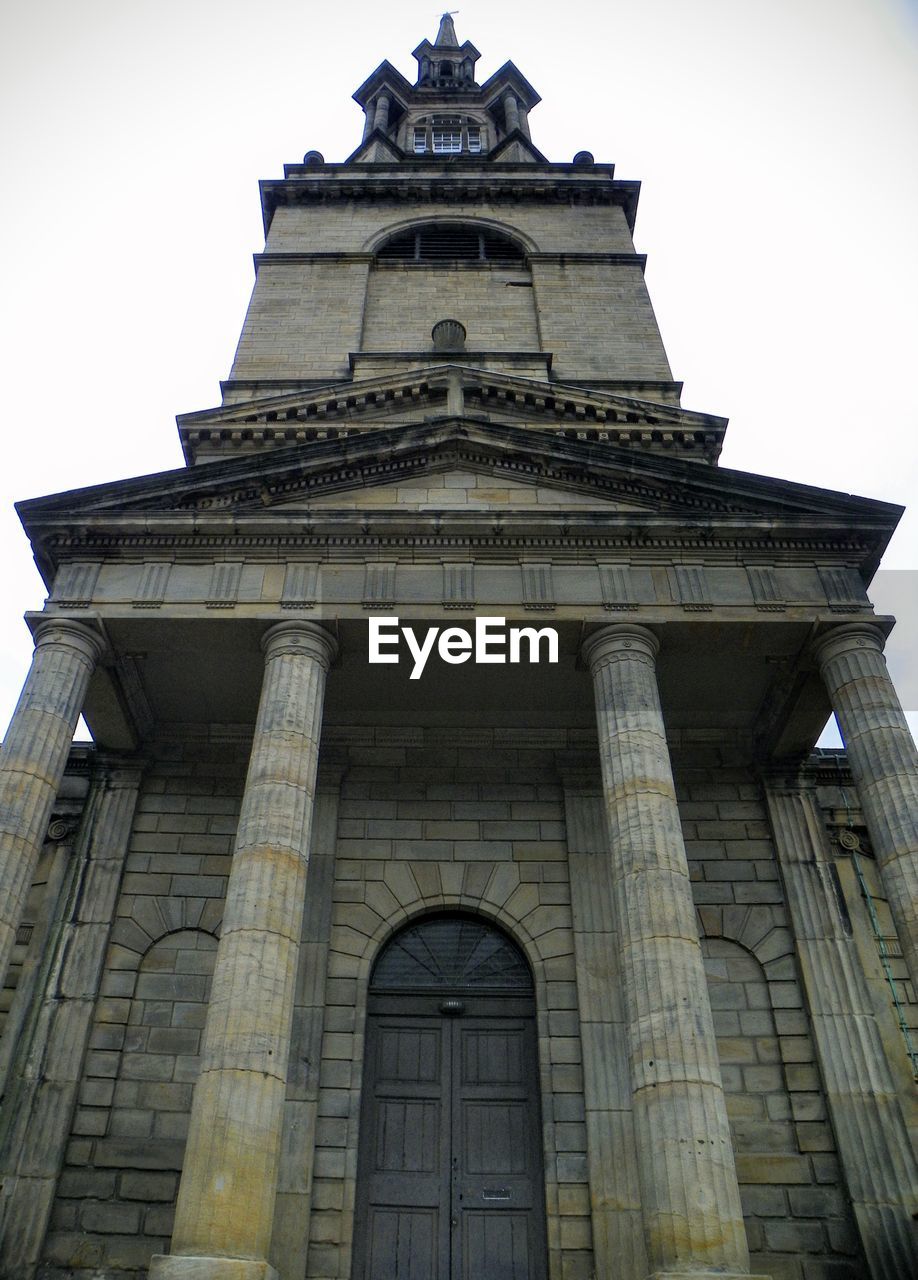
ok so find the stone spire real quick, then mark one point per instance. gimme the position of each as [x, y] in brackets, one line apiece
[446, 36]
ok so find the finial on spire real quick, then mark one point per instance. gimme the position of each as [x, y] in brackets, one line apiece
[446, 36]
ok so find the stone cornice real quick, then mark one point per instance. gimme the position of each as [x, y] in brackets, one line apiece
[568, 537]
[265, 502]
[562, 410]
[273, 258]
[459, 182]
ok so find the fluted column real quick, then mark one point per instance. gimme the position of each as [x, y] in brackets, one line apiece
[226, 1197]
[693, 1221]
[34, 757]
[884, 764]
[511, 112]
[872, 1135]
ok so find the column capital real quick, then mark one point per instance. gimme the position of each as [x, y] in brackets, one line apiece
[76, 635]
[305, 638]
[845, 637]
[627, 638]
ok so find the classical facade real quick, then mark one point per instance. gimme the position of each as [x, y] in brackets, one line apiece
[541, 947]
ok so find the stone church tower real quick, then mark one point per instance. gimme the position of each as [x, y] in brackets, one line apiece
[543, 948]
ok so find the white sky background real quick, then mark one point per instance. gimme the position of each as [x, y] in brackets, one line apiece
[775, 140]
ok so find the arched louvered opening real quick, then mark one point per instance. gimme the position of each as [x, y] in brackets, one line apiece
[450, 242]
[451, 953]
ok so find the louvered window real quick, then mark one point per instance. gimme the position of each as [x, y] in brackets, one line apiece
[445, 242]
[420, 141]
[474, 139]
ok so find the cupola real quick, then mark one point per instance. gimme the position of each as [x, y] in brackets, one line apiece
[446, 64]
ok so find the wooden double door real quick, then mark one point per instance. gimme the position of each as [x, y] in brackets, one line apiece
[450, 1176]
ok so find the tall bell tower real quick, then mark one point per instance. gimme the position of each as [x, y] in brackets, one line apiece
[452, 888]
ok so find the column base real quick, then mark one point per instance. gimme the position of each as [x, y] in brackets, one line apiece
[168, 1266]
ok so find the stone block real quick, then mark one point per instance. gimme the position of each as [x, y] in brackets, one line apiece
[97, 1093]
[171, 1124]
[130, 1123]
[165, 1096]
[129, 1253]
[147, 1187]
[84, 1184]
[90, 1121]
[816, 1202]
[174, 1040]
[123, 1153]
[159, 1220]
[764, 1201]
[772, 1169]
[110, 1218]
[794, 1237]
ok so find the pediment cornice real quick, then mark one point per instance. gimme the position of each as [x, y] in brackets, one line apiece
[345, 410]
[639, 503]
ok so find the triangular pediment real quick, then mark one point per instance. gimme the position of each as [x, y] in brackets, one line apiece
[389, 487]
[448, 386]
[466, 482]
[376, 149]
[516, 148]
[546, 481]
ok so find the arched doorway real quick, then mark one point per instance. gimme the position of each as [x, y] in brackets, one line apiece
[450, 1181]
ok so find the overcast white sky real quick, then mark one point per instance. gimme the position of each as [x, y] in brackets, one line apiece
[775, 140]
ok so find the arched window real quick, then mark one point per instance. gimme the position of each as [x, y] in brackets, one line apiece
[450, 241]
[451, 953]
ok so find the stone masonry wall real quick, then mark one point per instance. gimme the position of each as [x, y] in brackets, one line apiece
[430, 820]
[117, 1189]
[303, 319]
[448, 819]
[357, 226]
[798, 1217]
[597, 320]
[405, 301]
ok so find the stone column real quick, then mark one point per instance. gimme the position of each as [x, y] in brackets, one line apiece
[511, 112]
[693, 1222]
[381, 117]
[226, 1197]
[884, 764]
[34, 757]
[871, 1131]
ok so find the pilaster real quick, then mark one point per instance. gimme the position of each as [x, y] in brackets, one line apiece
[870, 1129]
[45, 1074]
